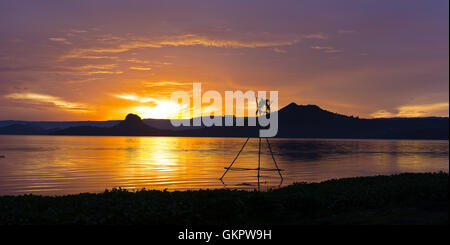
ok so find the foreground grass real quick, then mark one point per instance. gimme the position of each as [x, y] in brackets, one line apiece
[397, 199]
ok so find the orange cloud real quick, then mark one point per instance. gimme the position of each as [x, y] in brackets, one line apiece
[48, 99]
[177, 41]
[134, 97]
[327, 49]
[140, 68]
[60, 39]
[319, 35]
[424, 110]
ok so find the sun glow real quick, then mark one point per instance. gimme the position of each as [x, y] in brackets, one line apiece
[163, 110]
[424, 110]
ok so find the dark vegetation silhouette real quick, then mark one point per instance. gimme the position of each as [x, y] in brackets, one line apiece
[419, 198]
[295, 121]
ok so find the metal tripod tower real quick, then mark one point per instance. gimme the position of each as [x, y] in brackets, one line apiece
[263, 113]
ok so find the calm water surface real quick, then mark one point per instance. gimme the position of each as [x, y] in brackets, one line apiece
[55, 165]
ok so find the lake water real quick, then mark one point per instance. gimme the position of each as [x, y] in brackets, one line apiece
[55, 165]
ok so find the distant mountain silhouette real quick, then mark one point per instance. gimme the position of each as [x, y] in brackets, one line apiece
[19, 128]
[311, 121]
[295, 121]
[309, 112]
[132, 125]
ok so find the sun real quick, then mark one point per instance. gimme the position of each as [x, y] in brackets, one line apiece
[163, 110]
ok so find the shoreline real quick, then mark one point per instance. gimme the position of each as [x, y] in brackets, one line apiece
[408, 198]
[237, 137]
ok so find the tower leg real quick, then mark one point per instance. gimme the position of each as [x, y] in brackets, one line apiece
[234, 159]
[273, 158]
[259, 158]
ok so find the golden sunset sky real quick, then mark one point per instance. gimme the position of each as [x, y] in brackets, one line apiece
[99, 60]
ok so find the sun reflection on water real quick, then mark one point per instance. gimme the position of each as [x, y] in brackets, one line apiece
[69, 164]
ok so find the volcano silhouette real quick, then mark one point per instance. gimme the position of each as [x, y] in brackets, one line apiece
[131, 126]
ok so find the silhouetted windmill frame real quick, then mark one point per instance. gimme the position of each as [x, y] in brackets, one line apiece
[259, 169]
